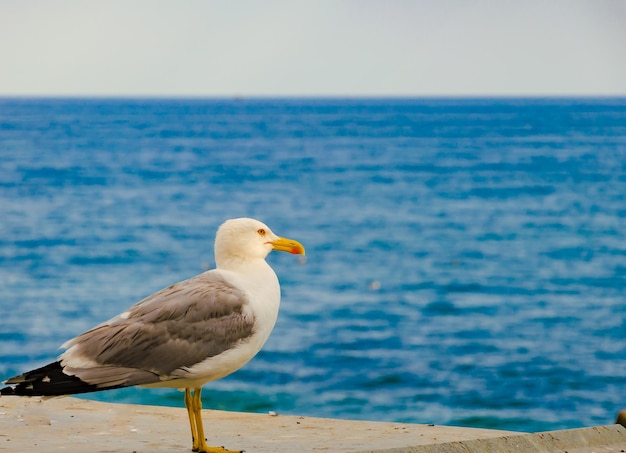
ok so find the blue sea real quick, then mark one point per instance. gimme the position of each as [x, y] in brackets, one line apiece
[466, 258]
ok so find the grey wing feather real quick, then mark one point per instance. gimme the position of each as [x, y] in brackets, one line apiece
[174, 328]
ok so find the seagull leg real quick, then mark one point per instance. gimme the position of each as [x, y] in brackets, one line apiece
[192, 420]
[199, 442]
[197, 413]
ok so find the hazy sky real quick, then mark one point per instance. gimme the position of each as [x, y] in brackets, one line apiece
[291, 47]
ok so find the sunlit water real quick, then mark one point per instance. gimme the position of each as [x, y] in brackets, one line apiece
[466, 259]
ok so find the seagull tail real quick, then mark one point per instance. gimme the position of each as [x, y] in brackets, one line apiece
[49, 380]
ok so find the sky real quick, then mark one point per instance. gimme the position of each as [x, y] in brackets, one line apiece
[312, 48]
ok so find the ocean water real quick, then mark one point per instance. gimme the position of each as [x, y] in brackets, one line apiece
[466, 258]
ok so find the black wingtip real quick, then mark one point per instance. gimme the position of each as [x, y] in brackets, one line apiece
[7, 391]
[49, 380]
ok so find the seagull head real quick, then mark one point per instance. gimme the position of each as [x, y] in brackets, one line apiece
[248, 239]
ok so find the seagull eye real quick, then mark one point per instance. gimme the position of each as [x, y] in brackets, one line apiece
[261, 232]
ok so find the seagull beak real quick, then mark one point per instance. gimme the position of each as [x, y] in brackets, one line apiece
[288, 245]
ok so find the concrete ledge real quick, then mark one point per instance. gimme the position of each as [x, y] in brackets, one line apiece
[72, 424]
[598, 439]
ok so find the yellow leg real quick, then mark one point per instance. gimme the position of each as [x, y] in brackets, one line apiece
[197, 412]
[192, 420]
[193, 402]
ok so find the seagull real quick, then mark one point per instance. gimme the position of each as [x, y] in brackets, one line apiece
[190, 333]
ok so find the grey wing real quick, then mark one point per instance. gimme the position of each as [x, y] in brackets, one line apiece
[174, 328]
